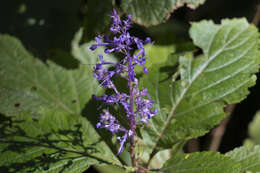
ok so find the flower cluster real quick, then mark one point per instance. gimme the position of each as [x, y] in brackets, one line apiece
[136, 103]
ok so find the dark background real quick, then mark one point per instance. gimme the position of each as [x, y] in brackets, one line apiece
[47, 27]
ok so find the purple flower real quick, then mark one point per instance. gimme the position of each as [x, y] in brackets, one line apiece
[109, 122]
[122, 141]
[136, 103]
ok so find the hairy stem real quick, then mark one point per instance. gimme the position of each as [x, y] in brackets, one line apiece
[131, 116]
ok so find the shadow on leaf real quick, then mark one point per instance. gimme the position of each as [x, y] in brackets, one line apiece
[91, 111]
[29, 152]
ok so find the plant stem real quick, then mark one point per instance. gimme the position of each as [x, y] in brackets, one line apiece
[193, 145]
[131, 113]
[218, 132]
[256, 18]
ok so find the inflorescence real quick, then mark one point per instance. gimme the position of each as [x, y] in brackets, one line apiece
[136, 103]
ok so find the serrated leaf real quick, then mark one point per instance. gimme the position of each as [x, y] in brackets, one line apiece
[149, 12]
[29, 86]
[27, 83]
[248, 157]
[204, 162]
[194, 104]
[50, 142]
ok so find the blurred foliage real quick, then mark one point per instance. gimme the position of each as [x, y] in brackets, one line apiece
[253, 131]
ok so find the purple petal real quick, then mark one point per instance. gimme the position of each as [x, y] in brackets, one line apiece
[107, 51]
[98, 39]
[93, 47]
[147, 40]
[122, 141]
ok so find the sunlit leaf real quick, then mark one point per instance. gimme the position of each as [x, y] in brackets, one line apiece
[248, 157]
[27, 83]
[44, 103]
[194, 104]
[204, 162]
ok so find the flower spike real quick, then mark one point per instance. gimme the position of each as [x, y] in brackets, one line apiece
[136, 104]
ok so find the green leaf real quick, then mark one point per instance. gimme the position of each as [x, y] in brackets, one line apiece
[156, 55]
[83, 53]
[27, 83]
[204, 162]
[109, 169]
[248, 157]
[57, 96]
[52, 141]
[149, 12]
[160, 158]
[192, 105]
[254, 129]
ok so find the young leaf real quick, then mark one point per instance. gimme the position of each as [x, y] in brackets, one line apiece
[204, 162]
[50, 142]
[248, 157]
[153, 52]
[194, 104]
[160, 158]
[154, 12]
[83, 54]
